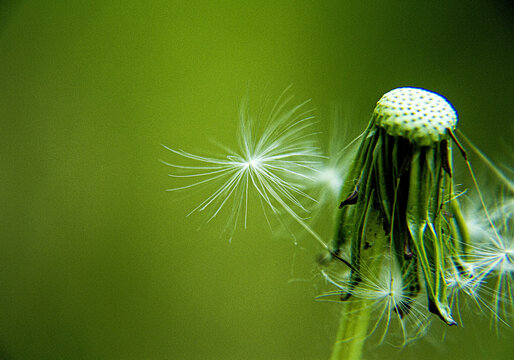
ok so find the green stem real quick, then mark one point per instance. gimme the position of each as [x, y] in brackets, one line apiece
[354, 325]
[356, 313]
[353, 330]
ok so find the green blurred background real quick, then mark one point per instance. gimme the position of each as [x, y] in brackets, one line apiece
[99, 262]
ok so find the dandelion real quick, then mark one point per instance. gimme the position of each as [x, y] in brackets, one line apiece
[277, 158]
[405, 246]
[399, 201]
[403, 168]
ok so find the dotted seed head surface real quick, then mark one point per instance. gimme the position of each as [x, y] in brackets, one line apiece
[419, 115]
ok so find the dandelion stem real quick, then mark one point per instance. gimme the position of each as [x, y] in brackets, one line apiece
[353, 326]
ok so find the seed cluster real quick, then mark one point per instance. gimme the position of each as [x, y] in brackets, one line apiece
[416, 114]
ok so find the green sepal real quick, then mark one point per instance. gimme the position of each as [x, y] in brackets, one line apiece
[428, 244]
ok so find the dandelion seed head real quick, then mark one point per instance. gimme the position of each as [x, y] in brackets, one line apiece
[420, 115]
[403, 165]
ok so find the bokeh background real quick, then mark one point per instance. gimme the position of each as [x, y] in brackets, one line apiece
[97, 261]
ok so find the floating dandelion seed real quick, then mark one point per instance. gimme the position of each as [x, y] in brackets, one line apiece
[277, 158]
[326, 187]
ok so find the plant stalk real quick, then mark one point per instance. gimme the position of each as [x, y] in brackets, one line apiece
[353, 330]
[354, 324]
